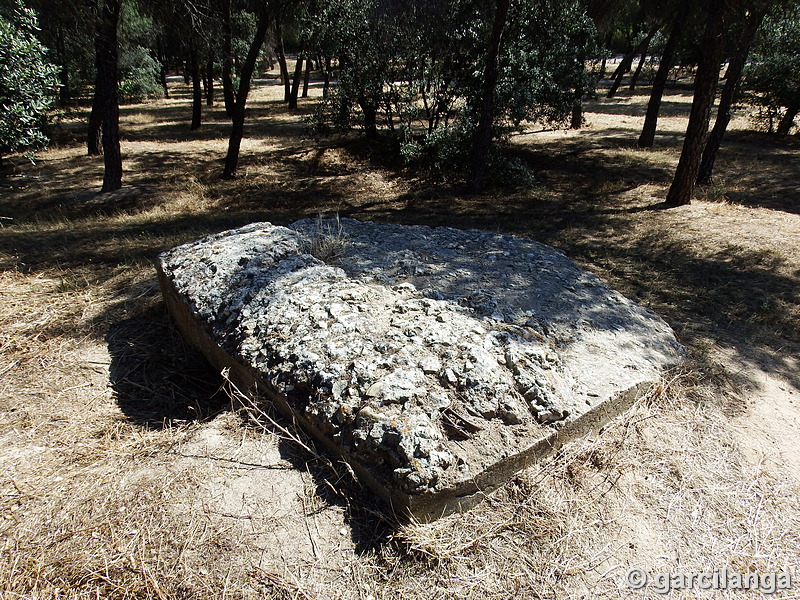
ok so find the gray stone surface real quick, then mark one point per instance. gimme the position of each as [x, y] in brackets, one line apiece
[437, 362]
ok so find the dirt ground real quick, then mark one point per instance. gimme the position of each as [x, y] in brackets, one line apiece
[129, 471]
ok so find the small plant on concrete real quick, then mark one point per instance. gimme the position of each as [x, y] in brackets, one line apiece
[328, 241]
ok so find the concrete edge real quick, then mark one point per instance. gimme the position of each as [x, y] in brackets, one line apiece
[424, 507]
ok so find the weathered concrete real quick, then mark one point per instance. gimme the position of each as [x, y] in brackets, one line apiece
[437, 362]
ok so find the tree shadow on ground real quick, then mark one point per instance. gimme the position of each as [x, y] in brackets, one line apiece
[622, 106]
[758, 169]
[160, 381]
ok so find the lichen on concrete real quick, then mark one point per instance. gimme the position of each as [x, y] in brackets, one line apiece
[427, 357]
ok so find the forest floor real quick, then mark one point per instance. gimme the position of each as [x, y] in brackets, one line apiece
[129, 473]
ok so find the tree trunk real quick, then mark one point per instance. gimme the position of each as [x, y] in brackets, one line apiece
[627, 61]
[94, 132]
[64, 92]
[227, 59]
[210, 78]
[298, 75]
[327, 85]
[787, 120]
[619, 72]
[659, 83]
[204, 80]
[197, 91]
[370, 117]
[162, 71]
[576, 120]
[638, 71]
[107, 89]
[237, 129]
[680, 192]
[483, 137]
[163, 78]
[307, 78]
[287, 91]
[732, 77]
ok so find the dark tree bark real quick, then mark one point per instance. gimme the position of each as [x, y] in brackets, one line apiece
[227, 59]
[298, 75]
[680, 192]
[370, 110]
[483, 137]
[787, 120]
[237, 129]
[327, 85]
[64, 92]
[108, 93]
[638, 70]
[659, 83]
[162, 61]
[576, 118]
[197, 91]
[94, 132]
[619, 73]
[210, 79]
[627, 61]
[307, 78]
[732, 77]
[287, 90]
[163, 78]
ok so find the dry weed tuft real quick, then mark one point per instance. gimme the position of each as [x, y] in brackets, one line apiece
[328, 242]
[716, 192]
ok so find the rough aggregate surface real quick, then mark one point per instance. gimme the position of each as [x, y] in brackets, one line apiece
[424, 355]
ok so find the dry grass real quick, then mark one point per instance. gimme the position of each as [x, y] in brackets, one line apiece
[127, 475]
[661, 489]
[328, 241]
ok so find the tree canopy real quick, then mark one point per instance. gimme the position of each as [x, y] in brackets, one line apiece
[443, 82]
[418, 69]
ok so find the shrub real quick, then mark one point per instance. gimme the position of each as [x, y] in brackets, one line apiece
[28, 83]
[139, 75]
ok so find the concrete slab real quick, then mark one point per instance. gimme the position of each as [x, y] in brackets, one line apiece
[437, 362]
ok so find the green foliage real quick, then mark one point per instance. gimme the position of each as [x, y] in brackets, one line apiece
[243, 24]
[443, 152]
[136, 25]
[68, 31]
[139, 75]
[28, 82]
[139, 71]
[419, 66]
[773, 75]
[542, 61]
